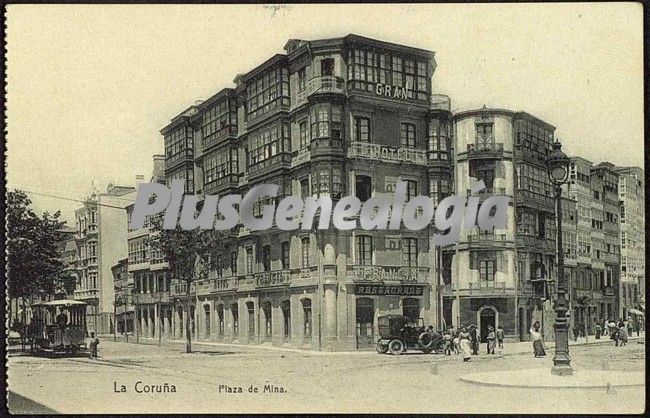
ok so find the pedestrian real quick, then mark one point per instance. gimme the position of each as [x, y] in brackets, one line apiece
[622, 336]
[538, 344]
[606, 327]
[474, 335]
[500, 336]
[447, 342]
[639, 323]
[630, 325]
[598, 330]
[456, 342]
[94, 342]
[465, 348]
[491, 340]
[576, 332]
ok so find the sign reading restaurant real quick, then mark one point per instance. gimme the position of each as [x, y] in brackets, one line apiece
[380, 289]
[395, 92]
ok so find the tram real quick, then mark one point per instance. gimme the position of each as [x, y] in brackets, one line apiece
[58, 326]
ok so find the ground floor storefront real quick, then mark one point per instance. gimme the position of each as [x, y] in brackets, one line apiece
[330, 317]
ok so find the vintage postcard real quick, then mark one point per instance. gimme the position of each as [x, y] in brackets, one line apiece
[325, 208]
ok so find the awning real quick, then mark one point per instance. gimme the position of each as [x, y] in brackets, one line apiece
[635, 312]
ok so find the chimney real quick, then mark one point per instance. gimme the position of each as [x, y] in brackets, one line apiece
[139, 178]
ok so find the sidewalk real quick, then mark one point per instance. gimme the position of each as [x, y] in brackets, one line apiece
[512, 348]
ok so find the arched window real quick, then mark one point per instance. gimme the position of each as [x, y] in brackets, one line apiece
[306, 315]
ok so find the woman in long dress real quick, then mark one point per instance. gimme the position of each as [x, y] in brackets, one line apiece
[464, 344]
[536, 336]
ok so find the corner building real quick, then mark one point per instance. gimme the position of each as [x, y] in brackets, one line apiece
[503, 277]
[334, 117]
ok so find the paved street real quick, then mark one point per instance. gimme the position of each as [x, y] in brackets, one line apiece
[307, 382]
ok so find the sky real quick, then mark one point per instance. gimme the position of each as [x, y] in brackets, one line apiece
[90, 86]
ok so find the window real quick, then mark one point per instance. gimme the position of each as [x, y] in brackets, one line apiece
[305, 252]
[267, 92]
[326, 122]
[487, 268]
[327, 67]
[304, 135]
[206, 309]
[304, 187]
[219, 165]
[234, 310]
[483, 170]
[364, 250]
[218, 120]
[266, 257]
[438, 140]
[138, 250]
[268, 143]
[179, 143]
[407, 135]
[233, 263]
[220, 319]
[362, 129]
[327, 181]
[411, 189]
[410, 252]
[367, 67]
[484, 137]
[285, 255]
[306, 315]
[249, 260]
[302, 79]
[363, 187]
[439, 190]
[184, 174]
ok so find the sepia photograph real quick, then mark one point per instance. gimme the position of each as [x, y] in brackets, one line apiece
[325, 208]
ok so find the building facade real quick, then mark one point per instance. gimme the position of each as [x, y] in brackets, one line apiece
[334, 117]
[631, 194]
[503, 277]
[101, 243]
[123, 304]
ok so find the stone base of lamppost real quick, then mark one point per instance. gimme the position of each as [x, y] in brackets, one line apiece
[561, 370]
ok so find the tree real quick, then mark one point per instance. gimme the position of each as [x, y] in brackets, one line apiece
[190, 255]
[34, 266]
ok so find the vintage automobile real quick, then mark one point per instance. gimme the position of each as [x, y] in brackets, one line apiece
[399, 333]
[62, 333]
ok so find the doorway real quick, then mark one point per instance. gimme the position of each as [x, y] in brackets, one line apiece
[365, 322]
[487, 318]
[250, 306]
[286, 313]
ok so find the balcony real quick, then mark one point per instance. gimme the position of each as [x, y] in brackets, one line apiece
[493, 151]
[440, 102]
[243, 179]
[86, 294]
[608, 291]
[319, 85]
[482, 288]
[303, 156]
[535, 200]
[536, 243]
[387, 154]
[487, 192]
[272, 278]
[229, 181]
[379, 274]
[279, 160]
[220, 284]
[486, 240]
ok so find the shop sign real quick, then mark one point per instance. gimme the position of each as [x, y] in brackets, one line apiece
[380, 289]
[395, 92]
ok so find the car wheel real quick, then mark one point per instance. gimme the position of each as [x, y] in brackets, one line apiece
[396, 347]
[381, 348]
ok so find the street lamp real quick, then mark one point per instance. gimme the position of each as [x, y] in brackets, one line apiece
[557, 166]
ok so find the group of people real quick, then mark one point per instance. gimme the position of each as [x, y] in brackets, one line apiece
[620, 330]
[466, 341]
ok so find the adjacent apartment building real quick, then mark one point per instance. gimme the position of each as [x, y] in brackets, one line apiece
[100, 244]
[503, 277]
[631, 194]
[331, 117]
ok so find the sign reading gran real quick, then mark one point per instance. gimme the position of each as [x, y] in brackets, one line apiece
[395, 92]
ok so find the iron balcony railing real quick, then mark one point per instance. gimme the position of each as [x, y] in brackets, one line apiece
[273, 278]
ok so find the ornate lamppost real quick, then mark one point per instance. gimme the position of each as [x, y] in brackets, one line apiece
[557, 165]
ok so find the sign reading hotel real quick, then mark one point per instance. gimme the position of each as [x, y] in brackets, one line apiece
[395, 92]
